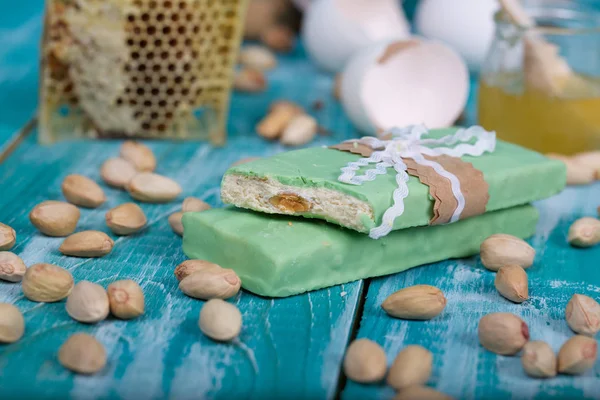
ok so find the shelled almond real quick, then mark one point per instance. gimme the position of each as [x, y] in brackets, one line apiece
[300, 130]
[55, 218]
[585, 232]
[249, 80]
[126, 299]
[583, 315]
[194, 204]
[12, 268]
[503, 333]
[578, 173]
[176, 222]
[281, 113]
[421, 393]
[82, 354]
[512, 283]
[88, 303]
[138, 155]
[189, 267]
[577, 355]
[258, 57]
[211, 284]
[82, 191]
[126, 219]
[420, 302]
[47, 283]
[220, 320]
[117, 172]
[365, 361]
[153, 188]
[87, 244]
[539, 360]
[500, 249]
[412, 366]
[12, 324]
[8, 237]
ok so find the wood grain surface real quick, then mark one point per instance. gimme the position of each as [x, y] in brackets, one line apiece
[289, 348]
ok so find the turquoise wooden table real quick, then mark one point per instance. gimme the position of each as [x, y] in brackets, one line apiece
[288, 348]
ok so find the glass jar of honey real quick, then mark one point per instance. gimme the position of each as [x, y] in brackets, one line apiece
[540, 84]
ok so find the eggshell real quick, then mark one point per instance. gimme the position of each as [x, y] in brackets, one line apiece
[465, 25]
[333, 30]
[399, 83]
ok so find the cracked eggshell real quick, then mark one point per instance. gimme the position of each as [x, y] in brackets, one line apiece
[400, 83]
[465, 25]
[333, 30]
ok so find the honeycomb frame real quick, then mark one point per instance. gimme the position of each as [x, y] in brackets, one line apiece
[160, 69]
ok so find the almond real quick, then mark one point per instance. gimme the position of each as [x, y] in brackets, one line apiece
[583, 315]
[12, 324]
[249, 80]
[258, 57]
[153, 188]
[539, 360]
[189, 267]
[87, 244]
[47, 283]
[55, 218]
[365, 361]
[193, 204]
[82, 354]
[126, 219]
[499, 250]
[88, 302]
[578, 173]
[12, 268]
[8, 237]
[420, 302]
[126, 299]
[585, 232]
[278, 118]
[117, 172]
[211, 284]
[139, 155]
[220, 320]
[82, 191]
[301, 130]
[511, 282]
[503, 333]
[412, 366]
[279, 38]
[175, 220]
[577, 355]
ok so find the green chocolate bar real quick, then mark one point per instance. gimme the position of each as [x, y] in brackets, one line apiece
[279, 256]
[307, 183]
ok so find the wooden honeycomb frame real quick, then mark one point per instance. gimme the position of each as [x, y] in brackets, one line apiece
[138, 68]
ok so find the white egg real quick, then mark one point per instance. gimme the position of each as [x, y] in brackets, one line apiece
[333, 30]
[466, 25]
[400, 83]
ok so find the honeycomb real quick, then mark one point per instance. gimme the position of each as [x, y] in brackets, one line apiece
[138, 68]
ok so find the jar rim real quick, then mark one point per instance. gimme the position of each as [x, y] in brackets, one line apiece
[559, 11]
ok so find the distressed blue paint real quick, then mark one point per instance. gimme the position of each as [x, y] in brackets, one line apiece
[461, 367]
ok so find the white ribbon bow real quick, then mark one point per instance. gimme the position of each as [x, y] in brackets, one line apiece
[408, 143]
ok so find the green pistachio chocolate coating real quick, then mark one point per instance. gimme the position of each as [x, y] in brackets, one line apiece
[515, 175]
[279, 256]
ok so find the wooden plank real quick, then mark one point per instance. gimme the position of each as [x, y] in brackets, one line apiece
[20, 32]
[294, 343]
[462, 368]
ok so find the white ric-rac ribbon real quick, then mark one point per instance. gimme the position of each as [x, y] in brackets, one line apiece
[408, 143]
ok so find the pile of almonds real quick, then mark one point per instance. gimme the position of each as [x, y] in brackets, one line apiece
[289, 123]
[501, 333]
[87, 302]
